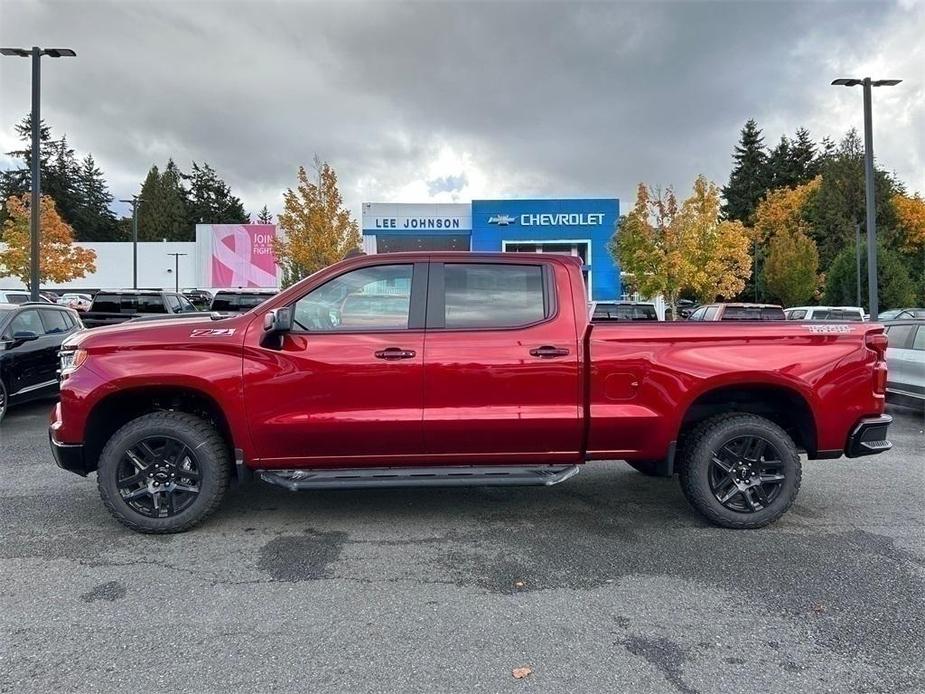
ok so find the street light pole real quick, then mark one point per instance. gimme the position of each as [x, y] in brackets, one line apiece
[36, 54]
[35, 277]
[867, 83]
[176, 270]
[857, 257]
[134, 203]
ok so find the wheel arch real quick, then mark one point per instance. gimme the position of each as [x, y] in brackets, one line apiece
[122, 406]
[783, 405]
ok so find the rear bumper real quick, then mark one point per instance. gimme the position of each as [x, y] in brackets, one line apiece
[68, 456]
[869, 437]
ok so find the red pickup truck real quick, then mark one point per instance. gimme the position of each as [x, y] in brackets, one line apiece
[441, 369]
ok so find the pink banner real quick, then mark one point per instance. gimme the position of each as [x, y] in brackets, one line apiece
[242, 255]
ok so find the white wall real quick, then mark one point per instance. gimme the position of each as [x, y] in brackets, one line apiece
[114, 266]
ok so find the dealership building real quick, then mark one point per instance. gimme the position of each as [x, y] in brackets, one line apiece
[579, 227]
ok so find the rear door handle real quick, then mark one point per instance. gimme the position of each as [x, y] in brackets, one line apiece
[392, 353]
[548, 352]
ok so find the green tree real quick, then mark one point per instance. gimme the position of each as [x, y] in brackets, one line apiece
[792, 266]
[748, 180]
[264, 216]
[896, 288]
[840, 201]
[210, 200]
[318, 229]
[95, 220]
[163, 213]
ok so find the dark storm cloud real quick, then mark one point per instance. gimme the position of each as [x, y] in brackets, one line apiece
[548, 99]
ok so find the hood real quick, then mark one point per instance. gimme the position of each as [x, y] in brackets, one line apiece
[166, 331]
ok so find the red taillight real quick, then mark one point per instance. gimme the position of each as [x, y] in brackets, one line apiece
[877, 342]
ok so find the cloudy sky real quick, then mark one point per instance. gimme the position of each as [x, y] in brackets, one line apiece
[450, 101]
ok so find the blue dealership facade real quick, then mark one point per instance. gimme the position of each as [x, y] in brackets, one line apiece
[580, 227]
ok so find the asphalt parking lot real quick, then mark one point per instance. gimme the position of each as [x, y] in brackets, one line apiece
[607, 583]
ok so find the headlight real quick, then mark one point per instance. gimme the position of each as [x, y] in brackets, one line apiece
[71, 359]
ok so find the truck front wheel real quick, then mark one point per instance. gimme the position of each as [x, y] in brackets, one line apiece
[163, 472]
[740, 470]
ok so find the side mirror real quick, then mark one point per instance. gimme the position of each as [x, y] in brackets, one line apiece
[25, 336]
[278, 321]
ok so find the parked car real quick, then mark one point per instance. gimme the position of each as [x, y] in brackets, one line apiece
[484, 369]
[840, 313]
[200, 298]
[19, 296]
[714, 312]
[78, 302]
[601, 311]
[30, 337]
[901, 314]
[112, 307]
[240, 300]
[905, 358]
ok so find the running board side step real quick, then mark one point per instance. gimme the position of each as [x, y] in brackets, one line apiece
[449, 476]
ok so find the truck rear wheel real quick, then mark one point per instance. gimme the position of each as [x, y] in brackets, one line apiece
[740, 471]
[163, 472]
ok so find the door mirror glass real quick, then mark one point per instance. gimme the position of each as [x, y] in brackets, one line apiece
[25, 336]
[278, 321]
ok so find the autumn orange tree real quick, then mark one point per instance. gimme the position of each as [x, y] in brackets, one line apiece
[910, 218]
[667, 248]
[318, 230]
[59, 259]
[792, 266]
[720, 262]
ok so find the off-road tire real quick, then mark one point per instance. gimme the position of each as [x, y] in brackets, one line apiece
[711, 435]
[200, 437]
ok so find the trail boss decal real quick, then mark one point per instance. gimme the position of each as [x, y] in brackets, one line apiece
[829, 329]
[212, 332]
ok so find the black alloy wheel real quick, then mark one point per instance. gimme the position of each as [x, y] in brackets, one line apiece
[747, 474]
[740, 470]
[164, 472]
[158, 477]
[3, 400]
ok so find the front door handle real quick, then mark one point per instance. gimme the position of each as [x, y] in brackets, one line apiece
[392, 353]
[549, 352]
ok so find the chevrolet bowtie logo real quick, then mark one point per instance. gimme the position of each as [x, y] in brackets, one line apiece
[502, 220]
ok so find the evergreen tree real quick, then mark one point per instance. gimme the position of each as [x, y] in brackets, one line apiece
[264, 216]
[896, 288]
[779, 170]
[163, 213]
[840, 201]
[803, 161]
[81, 196]
[748, 181]
[210, 199]
[95, 221]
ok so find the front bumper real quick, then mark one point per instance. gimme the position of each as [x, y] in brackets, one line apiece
[68, 456]
[869, 437]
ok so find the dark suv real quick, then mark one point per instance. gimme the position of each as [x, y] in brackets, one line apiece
[240, 300]
[30, 337]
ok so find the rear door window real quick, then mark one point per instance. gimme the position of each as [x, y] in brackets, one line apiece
[224, 302]
[55, 322]
[900, 336]
[107, 303]
[151, 303]
[492, 295]
[918, 343]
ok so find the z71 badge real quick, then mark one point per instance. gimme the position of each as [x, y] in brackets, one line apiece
[828, 329]
[212, 332]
